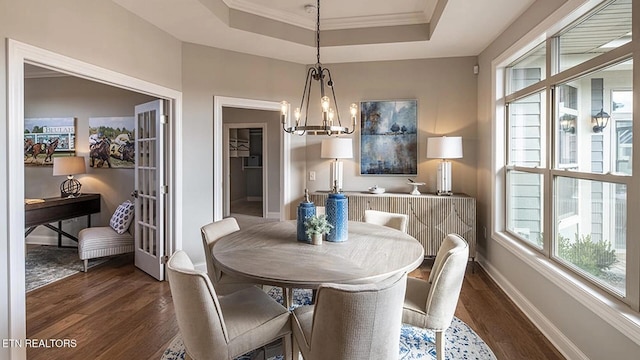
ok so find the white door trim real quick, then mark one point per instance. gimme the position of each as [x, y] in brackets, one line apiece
[218, 103]
[265, 164]
[18, 54]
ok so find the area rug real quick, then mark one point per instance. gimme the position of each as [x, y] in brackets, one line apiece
[46, 264]
[461, 342]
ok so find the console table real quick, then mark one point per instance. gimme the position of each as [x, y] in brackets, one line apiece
[431, 217]
[57, 209]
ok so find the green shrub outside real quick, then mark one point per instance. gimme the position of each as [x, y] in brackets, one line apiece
[592, 257]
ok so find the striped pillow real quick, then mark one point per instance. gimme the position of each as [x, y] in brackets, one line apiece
[122, 218]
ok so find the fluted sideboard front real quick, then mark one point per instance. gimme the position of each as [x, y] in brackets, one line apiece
[431, 217]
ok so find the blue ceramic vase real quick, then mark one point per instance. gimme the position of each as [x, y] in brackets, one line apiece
[337, 210]
[305, 210]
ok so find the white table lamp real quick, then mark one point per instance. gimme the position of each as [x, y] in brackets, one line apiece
[445, 147]
[69, 166]
[336, 148]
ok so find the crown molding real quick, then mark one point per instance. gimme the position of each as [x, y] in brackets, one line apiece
[308, 21]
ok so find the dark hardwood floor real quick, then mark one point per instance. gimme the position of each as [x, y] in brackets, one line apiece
[116, 311]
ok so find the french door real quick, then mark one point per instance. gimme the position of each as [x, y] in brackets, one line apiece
[150, 189]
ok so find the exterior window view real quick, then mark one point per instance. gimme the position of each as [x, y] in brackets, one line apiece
[570, 145]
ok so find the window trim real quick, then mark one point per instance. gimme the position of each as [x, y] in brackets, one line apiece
[566, 14]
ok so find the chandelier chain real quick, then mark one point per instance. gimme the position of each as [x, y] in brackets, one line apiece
[318, 34]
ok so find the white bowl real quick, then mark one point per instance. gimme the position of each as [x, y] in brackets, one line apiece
[377, 190]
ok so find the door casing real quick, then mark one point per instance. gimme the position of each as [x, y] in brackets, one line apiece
[18, 54]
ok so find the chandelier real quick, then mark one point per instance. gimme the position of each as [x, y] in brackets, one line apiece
[331, 124]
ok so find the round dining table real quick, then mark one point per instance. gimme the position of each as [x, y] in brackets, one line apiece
[270, 254]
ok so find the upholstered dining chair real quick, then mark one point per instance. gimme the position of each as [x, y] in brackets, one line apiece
[224, 283]
[355, 322]
[226, 327]
[431, 304]
[392, 220]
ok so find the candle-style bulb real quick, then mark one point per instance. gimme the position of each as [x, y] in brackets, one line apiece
[325, 103]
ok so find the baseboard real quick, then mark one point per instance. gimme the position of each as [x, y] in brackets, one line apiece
[567, 348]
[48, 240]
[273, 215]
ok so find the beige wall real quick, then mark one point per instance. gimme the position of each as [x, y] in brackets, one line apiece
[209, 72]
[446, 93]
[567, 321]
[74, 97]
[98, 32]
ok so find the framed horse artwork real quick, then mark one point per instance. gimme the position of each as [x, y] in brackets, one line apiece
[45, 138]
[112, 142]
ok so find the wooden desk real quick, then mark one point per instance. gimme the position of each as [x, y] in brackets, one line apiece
[270, 254]
[59, 209]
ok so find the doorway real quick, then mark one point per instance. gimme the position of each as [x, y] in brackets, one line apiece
[278, 175]
[246, 166]
[17, 55]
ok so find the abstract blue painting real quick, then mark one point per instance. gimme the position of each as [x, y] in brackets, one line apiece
[389, 137]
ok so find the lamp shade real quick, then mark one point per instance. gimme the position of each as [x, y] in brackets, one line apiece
[336, 148]
[444, 147]
[69, 165]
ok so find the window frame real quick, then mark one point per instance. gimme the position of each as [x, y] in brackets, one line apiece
[501, 166]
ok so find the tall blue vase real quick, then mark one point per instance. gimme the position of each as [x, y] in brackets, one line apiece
[305, 211]
[337, 210]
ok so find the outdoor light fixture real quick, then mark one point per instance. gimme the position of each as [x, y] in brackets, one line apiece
[444, 148]
[69, 166]
[330, 118]
[336, 148]
[568, 123]
[600, 121]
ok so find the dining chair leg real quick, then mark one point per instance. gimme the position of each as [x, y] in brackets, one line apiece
[287, 347]
[439, 345]
[287, 297]
[295, 349]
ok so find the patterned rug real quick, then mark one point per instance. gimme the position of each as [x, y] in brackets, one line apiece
[46, 264]
[461, 342]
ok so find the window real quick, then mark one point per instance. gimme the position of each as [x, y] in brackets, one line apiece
[605, 29]
[527, 70]
[589, 241]
[568, 156]
[621, 114]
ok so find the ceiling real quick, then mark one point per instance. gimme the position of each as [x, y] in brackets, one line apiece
[351, 31]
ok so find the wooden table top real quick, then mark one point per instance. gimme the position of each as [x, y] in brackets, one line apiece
[270, 254]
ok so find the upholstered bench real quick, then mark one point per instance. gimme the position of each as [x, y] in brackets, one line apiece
[115, 239]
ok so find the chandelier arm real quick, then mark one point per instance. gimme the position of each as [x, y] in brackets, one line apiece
[307, 96]
[288, 131]
[307, 85]
[333, 93]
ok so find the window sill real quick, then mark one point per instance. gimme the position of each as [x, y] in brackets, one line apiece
[615, 312]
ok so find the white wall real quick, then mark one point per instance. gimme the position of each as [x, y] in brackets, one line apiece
[98, 32]
[75, 97]
[576, 329]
